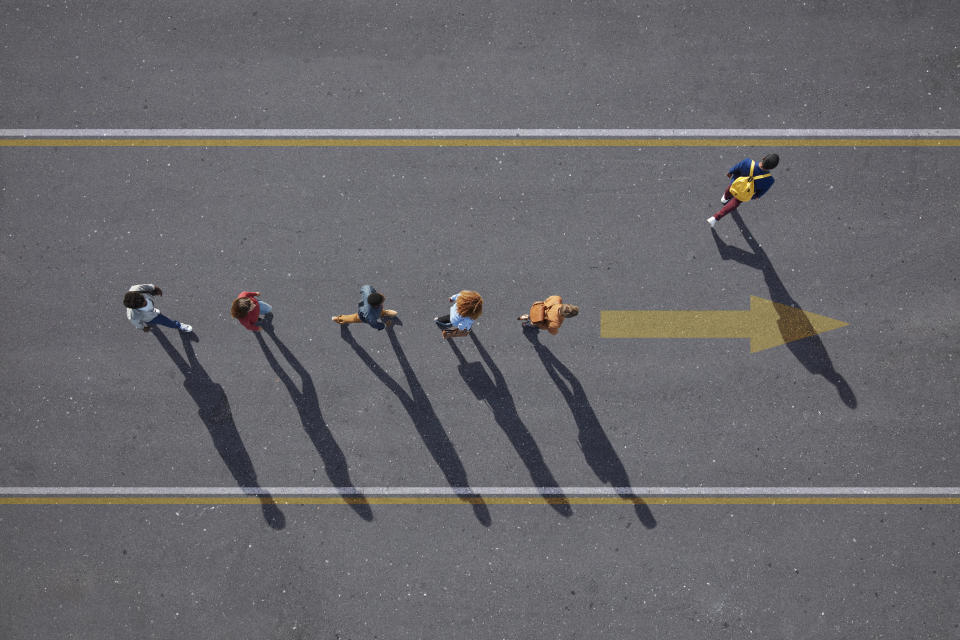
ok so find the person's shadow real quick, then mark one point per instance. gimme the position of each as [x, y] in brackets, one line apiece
[597, 449]
[425, 420]
[496, 394]
[810, 351]
[308, 406]
[214, 410]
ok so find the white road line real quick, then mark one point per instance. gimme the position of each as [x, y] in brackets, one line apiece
[481, 133]
[491, 491]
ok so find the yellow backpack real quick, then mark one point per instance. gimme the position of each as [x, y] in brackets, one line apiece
[743, 188]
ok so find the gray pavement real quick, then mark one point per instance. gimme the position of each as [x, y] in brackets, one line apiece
[498, 64]
[865, 235]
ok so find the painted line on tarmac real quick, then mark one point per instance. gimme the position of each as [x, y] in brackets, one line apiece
[487, 495]
[476, 499]
[479, 137]
[482, 133]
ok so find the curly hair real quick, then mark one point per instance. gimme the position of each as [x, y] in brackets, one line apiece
[241, 307]
[469, 304]
[134, 300]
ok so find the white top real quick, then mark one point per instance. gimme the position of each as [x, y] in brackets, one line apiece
[140, 317]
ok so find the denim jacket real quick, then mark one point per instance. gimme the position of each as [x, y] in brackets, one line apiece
[367, 312]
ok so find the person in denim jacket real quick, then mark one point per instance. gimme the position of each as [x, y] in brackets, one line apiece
[370, 310]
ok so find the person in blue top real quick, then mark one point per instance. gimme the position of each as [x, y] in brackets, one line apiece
[761, 184]
[467, 307]
[370, 310]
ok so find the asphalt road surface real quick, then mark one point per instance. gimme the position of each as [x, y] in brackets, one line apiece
[511, 438]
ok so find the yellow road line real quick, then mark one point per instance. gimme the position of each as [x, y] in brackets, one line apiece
[492, 500]
[479, 142]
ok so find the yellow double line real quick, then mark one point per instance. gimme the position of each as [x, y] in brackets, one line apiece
[513, 142]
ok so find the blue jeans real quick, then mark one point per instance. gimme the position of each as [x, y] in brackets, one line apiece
[164, 321]
[264, 308]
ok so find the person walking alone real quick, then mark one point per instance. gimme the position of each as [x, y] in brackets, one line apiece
[748, 181]
[143, 313]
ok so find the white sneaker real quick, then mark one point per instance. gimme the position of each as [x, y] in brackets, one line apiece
[724, 200]
[712, 221]
[185, 328]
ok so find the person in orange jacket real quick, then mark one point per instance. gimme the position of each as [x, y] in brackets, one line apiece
[548, 314]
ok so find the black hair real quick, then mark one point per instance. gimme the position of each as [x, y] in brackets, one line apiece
[770, 161]
[134, 300]
[375, 299]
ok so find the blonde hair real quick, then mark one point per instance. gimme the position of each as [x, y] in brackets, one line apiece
[568, 310]
[469, 304]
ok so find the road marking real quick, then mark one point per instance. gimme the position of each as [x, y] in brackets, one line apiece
[494, 500]
[479, 137]
[481, 133]
[487, 495]
[767, 324]
[459, 491]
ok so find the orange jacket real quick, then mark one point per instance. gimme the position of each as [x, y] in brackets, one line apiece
[546, 314]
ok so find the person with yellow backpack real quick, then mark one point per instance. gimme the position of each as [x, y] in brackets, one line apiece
[748, 181]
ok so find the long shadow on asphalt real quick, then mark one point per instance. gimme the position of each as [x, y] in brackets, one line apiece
[497, 395]
[597, 449]
[214, 411]
[810, 351]
[425, 421]
[308, 406]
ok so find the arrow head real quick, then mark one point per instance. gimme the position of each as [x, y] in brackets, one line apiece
[774, 324]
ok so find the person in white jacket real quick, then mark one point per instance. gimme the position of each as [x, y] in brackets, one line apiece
[141, 311]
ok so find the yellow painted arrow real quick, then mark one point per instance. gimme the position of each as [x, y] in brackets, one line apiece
[767, 324]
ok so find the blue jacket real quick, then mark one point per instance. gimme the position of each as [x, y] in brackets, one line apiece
[742, 168]
[367, 312]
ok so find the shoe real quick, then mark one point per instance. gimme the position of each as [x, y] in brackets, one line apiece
[712, 221]
[724, 200]
[523, 318]
[336, 319]
[186, 328]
